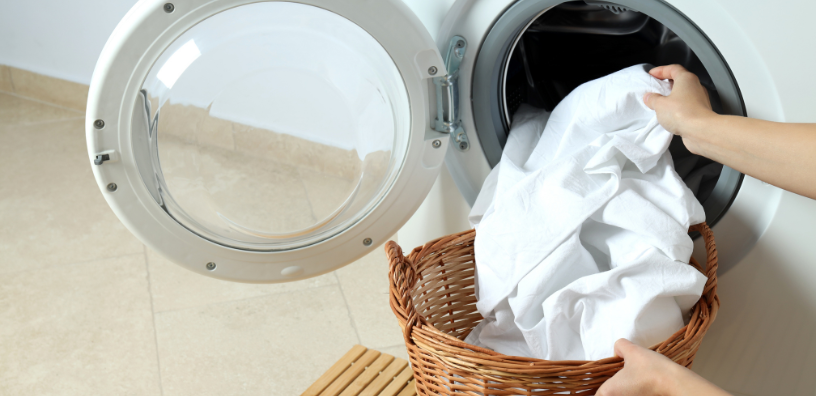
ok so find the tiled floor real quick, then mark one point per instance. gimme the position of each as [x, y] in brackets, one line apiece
[86, 309]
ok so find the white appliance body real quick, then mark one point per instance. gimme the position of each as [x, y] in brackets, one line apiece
[764, 339]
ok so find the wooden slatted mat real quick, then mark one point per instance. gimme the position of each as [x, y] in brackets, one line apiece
[365, 372]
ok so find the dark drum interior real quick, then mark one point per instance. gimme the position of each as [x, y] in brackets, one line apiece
[579, 41]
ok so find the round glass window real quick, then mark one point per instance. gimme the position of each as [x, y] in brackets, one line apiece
[274, 126]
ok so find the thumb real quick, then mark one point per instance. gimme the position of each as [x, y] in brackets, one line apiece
[651, 99]
[623, 346]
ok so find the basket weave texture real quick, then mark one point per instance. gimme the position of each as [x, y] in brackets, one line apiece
[433, 297]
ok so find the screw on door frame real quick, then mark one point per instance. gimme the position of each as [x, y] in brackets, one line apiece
[367, 242]
[432, 70]
[436, 143]
[210, 266]
[99, 124]
[112, 187]
[169, 7]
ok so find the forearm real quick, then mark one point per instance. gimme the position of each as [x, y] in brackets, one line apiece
[684, 382]
[780, 154]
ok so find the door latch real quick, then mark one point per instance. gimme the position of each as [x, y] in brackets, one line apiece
[447, 96]
[101, 158]
[106, 156]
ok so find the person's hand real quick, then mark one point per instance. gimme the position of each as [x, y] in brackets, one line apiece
[686, 106]
[775, 152]
[646, 372]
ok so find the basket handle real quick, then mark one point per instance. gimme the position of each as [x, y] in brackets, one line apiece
[401, 277]
[710, 290]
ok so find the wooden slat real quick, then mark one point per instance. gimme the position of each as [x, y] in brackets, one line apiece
[335, 371]
[385, 378]
[371, 372]
[351, 373]
[398, 383]
[409, 390]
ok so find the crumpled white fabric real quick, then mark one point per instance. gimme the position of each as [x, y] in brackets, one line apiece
[582, 229]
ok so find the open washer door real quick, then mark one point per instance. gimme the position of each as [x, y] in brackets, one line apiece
[265, 141]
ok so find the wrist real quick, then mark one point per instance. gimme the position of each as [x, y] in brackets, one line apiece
[695, 126]
[696, 131]
[684, 382]
[673, 383]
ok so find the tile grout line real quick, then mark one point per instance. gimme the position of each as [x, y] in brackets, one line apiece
[153, 316]
[309, 200]
[50, 266]
[11, 80]
[393, 346]
[232, 134]
[42, 123]
[242, 299]
[40, 101]
[348, 309]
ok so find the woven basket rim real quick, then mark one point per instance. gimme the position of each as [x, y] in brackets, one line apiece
[434, 352]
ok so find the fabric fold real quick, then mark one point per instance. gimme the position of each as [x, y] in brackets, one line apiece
[582, 228]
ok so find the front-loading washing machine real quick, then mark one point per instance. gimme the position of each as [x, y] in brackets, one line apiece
[270, 141]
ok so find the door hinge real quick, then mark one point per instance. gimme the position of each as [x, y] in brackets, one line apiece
[447, 96]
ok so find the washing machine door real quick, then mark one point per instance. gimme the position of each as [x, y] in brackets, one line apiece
[265, 141]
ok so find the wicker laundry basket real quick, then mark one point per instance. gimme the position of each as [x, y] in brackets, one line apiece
[433, 298]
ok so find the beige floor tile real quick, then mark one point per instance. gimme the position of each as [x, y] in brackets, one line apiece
[5, 79]
[226, 191]
[175, 287]
[215, 132]
[51, 210]
[326, 193]
[397, 351]
[365, 286]
[295, 151]
[49, 89]
[82, 329]
[15, 110]
[179, 121]
[271, 345]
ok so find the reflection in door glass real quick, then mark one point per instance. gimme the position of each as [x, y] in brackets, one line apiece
[273, 126]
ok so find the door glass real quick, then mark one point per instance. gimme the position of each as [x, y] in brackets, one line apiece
[273, 126]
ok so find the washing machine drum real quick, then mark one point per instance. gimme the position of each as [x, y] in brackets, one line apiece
[265, 141]
[537, 52]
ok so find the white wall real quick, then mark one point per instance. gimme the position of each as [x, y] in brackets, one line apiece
[430, 12]
[63, 38]
[58, 38]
